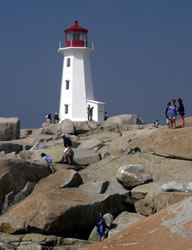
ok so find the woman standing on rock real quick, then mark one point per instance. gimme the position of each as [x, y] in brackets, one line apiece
[172, 113]
[181, 112]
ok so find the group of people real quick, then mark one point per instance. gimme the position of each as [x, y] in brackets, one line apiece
[171, 113]
[48, 118]
[90, 112]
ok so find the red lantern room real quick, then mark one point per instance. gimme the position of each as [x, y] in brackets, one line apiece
[76, 36]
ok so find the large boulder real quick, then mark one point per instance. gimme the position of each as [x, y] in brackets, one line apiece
[124, 220]
[81, 127]
[85, 156]
[9, 128]
[133, 175]
[9, 147]
[14, 175]
[173, 187]
[67, 127]
[51, 129]
[148, 198]
[95, 187]
[50, 209]
[126, 119]
[37, 241]
[91, 144]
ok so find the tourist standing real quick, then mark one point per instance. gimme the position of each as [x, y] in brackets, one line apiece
[181, 112]
[56, 118]
[105, 116]
[166, 115]
[68, 152]
[89, 112]
[101, 226]
[172, 113]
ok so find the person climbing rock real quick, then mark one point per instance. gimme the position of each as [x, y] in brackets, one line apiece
[47, 160]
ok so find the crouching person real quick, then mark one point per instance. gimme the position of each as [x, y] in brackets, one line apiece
[48, 161]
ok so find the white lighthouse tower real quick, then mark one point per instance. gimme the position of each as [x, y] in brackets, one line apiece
[76, 84]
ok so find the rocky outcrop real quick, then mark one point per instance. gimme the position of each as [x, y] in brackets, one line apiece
[9, 128]
[168, 229]
[133, 175]
[124, 220]
[95, 187]
[9, 147]
[15, 174]
[74, 180]
[93, 144]
[39, 241]
[67, 127]
[126, 119]
[173, 187]
[60, 211]
[148, 199]
[85, 156]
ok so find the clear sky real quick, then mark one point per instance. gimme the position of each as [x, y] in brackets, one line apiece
[143, 55]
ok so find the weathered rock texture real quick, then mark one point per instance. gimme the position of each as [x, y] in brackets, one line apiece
[14, 176]
[60, 211]
[9, 128]
[168, 229]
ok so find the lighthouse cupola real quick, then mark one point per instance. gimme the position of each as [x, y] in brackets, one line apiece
[76, 36]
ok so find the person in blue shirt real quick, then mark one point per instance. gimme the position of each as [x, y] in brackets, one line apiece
[101, 227]
[47, 160]
[172, 113]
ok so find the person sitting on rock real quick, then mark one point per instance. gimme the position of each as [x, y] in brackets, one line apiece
[101, 226]
[68, 152]
[47, 160]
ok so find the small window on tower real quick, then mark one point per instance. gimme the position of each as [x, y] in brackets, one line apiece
[68, 62]
[67, 84]
[76, 36]
[66, 108]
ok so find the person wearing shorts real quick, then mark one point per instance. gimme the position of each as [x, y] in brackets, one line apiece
[48, 161]
[68, 152]
[172, 113]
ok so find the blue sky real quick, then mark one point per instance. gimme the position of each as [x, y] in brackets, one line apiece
[143, 55]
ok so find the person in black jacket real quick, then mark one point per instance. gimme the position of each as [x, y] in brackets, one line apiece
[167, 117]
[181, 112]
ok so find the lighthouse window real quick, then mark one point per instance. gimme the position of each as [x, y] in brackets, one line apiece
[66, 109]
[67, 84]
[68, 62]
[76, 36]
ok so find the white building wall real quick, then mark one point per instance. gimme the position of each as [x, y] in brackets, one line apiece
[80, 85]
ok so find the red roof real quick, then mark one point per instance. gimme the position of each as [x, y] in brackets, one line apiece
[76, 27]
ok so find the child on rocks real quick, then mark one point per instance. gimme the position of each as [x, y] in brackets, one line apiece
[47, 160]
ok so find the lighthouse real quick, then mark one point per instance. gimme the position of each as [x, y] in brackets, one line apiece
[77, 92]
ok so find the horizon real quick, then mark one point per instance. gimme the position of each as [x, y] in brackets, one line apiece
[142, 58]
